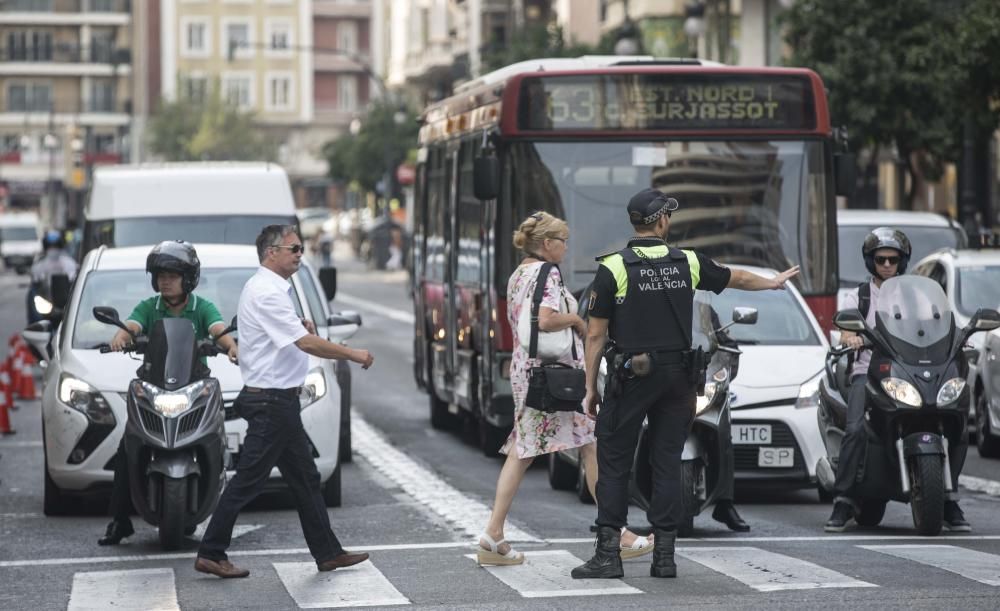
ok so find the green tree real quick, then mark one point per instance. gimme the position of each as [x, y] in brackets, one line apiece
[385, 139]
[889, 67]
[186, 130]
[537, 41]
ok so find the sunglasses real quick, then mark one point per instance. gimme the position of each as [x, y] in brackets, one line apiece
[295, 248]
[887, 260]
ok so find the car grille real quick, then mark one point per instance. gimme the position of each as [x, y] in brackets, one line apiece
[152, 422]
[189, 422]
[781, 437]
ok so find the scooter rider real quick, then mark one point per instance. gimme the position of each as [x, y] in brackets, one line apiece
[53, 261]
[175, 270]
[643, 298]
[886, 253]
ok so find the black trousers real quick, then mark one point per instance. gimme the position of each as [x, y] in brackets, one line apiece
[667, 398]
[275, 437]
[726, 485]
[855, 444]
[121, 501]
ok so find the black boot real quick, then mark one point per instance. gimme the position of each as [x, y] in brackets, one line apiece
[607, 560]
[663, 554]
[117, 530]
[725, 512]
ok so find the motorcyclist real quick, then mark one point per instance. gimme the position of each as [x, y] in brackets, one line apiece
[886, 252]
[54, 260]
[175, 270]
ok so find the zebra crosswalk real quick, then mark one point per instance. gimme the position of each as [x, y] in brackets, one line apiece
[545, 574]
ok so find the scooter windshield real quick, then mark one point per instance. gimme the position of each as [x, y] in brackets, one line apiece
[171, 356]
[914, 317]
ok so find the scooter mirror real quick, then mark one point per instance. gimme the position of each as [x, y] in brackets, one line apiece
[985, 319]
[229, 329]
[849, 320]
[108, 316]
[745, 316]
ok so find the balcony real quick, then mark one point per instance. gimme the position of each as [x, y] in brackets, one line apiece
[64, 60]
[41, 112]
[66, 12]
[327, 62]
[357, 8]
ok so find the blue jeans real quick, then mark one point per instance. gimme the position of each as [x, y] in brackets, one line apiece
[275, 437]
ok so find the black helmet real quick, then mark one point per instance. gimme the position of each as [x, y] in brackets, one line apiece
[52, 239]
[886, 237]
[178, 257]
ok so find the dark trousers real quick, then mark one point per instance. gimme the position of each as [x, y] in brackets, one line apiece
[121, 501]
[727, 470]
[275, 437]
[667, 398]
[855, 444]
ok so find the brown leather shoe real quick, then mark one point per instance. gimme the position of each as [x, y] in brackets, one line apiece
[222, 568]
[342, 561]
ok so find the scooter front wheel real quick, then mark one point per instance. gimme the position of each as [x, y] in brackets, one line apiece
[927, 493]
[691, 472]
[173, 509]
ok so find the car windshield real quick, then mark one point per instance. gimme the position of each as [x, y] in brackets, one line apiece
[234, 229]
[17, 234]
[123, 289]
[977, 286]
[780, 318]
[754, 202]
[924, 241]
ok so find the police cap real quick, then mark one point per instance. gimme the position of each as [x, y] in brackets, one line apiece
[648, 205]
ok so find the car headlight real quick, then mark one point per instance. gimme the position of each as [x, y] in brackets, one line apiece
[84, 398]
[314, 389]
[809, 392]
[170, 403]
[42, 305]
[950, 391]
[902, 391]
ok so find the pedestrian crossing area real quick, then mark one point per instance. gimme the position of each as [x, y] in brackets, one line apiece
[544, 575]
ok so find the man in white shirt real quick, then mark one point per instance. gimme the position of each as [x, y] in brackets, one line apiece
[274, 343]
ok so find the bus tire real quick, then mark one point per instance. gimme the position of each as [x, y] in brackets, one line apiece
[491, 438]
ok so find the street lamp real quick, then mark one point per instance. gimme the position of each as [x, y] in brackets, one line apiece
[50, 142]
[629, 37]
[694, 23]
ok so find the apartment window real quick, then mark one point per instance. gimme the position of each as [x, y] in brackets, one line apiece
[279, 92]
[105, 143]
[29, 97]
[237, 89]
[347, 93]
[102, 44]
[102, 96]
[197, 37]
[30, 46]
[29, 5]
[278, 35]
[10, 143]
[195, 88]
[347, 36]
[237, 32]
[105, 6]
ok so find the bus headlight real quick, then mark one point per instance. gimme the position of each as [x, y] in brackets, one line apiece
[314, 389]
[950, 391]
[902, 391]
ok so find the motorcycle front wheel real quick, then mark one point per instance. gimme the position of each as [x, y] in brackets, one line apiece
[927, 493]
[173, 508]
[691, 474]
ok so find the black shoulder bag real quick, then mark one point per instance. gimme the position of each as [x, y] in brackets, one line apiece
[552, 387]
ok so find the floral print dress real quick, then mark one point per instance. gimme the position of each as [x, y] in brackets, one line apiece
[537, 432]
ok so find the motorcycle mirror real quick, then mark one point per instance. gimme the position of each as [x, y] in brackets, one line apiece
[229, 329]
[109, 316]
[745, 316]
[849, 320]
[985, 319]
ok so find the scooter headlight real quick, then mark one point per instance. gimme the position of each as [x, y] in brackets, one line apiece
[809, 392]
[173, 403]
[950, 391]
[902, 391]
[711, 387]
[314, 389]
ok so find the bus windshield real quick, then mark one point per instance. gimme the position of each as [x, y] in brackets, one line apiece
[754, 202]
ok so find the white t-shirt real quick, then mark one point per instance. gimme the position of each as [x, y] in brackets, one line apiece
[851, 301]
[268, 328]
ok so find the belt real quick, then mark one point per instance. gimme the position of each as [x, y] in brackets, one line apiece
[294, 390]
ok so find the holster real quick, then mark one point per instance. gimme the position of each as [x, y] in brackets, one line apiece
[697, 365]
[616, 373]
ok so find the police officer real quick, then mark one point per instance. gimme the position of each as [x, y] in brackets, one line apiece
[643, 299]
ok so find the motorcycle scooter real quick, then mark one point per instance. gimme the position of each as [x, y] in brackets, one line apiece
[175, 438]
[915, 391]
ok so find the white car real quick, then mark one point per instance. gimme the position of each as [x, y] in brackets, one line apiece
[81, 430]
[775, 394]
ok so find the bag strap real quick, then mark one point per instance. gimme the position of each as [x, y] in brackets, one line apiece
[864, 298]
[636, 256]
[536, 302]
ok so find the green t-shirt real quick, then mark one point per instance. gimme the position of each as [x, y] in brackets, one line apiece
[201, 312]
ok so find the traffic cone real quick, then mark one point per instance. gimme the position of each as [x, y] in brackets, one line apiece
[27, 389]
[6, 401]
[13, 365]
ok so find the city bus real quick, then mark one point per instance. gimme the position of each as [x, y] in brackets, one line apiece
[748, 152]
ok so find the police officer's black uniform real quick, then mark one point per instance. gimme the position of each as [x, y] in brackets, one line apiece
[646, 292]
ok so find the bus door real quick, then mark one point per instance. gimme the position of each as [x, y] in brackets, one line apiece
[451, 252]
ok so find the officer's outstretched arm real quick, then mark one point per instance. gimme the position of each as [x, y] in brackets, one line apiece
[748, 281]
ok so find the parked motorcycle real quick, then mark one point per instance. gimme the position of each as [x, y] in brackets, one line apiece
[175, 437]
[914, 393]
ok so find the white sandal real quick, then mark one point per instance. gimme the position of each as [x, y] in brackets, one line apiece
[492, 556]
[640, 547]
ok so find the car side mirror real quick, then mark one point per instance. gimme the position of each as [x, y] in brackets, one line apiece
[343, 325]
[486, 177]
[985, 319]
[347, 317]
[745, 316]
[328, 280]
[38, 335]
[59, 290]
[849, 320]
[845, 171]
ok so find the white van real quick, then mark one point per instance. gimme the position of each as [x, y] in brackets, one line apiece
[20, 240]
[207, 202]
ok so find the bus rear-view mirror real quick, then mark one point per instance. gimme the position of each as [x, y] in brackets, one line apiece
[328, 280]
[486, 177]
[845, 171]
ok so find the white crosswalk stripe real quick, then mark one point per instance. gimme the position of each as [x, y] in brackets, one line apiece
[767, 571]
[134, 590]
[361, 585]
[971, 564]
[545, 574]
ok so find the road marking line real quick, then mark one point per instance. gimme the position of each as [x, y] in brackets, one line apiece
[545, 574]
[238, 531]
[979, 484]
[20, 444]
[361, 585]
[767, 571]
[464, 513]
[140, 589]
[820, 539]
[971, 564]
[358, 302]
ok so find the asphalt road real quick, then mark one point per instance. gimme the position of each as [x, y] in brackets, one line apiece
[416, 498]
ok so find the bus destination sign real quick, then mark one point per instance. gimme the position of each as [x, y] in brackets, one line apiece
[675, 102]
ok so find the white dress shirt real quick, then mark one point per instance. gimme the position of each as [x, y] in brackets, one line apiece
[268, 328]
[851, 302]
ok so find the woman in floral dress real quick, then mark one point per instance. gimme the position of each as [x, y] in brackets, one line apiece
[543, 238]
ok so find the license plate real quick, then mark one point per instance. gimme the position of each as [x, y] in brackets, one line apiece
[233, 442]
[755, 434]
[776, 457]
